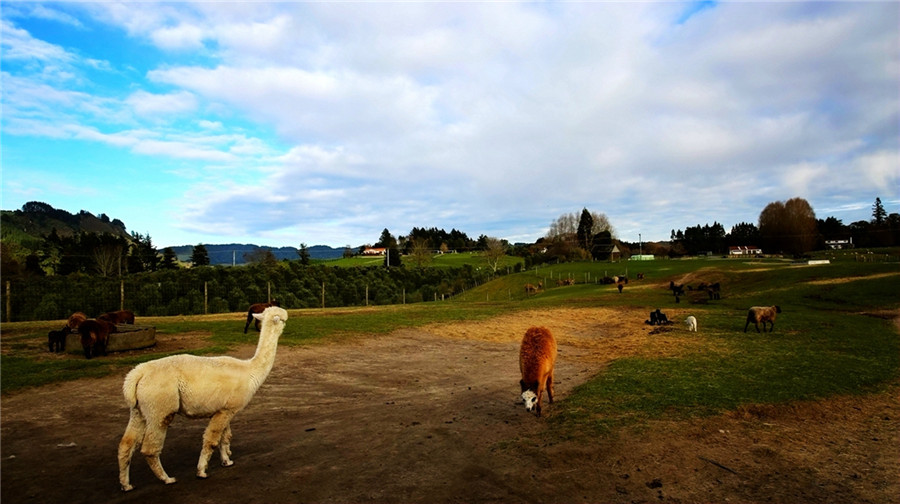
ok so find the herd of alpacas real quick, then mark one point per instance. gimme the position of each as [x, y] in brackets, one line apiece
[94, 332]
[219, 387]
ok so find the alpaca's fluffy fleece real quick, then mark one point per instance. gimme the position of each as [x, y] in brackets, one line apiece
[196, 387]
[74, 321]
[761, 315]
[537, 358]
[691, 322]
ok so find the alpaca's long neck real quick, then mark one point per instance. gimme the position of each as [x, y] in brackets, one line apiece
[264, 358]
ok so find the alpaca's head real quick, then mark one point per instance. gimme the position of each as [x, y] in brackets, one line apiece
[272, 314]
[530, 399]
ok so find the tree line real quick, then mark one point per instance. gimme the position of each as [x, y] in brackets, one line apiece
[786, 227]
[223, 289]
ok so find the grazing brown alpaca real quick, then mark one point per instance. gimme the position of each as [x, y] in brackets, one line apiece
[762, 314]
[94, 336]
[537, 358]
[75, 321]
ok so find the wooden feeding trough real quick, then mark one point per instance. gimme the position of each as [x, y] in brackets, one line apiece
[126, 337]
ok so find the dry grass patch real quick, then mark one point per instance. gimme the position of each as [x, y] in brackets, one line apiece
[605, 334]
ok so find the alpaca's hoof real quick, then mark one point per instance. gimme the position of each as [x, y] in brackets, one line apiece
[127, 488]
[169, 481]
[227, 463]
[202, 475]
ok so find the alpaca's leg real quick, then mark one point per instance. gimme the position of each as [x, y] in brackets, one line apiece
[550, 388]
[211, 439]
[154, 439]
[225, 447]
[537, 402]
[131, 440]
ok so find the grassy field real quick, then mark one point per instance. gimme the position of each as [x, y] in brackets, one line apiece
[837, 334]
[455, 260]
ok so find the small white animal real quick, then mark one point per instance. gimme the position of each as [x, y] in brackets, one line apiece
[691, 322]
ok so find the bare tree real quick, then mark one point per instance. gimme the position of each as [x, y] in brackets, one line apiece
[601, 224]
[420, 251]
[108, 259]
[494, 252]
[565, 227]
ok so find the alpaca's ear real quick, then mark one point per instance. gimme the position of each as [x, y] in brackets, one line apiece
[258, 316]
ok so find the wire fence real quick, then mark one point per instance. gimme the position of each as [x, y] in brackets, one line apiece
[52, 298]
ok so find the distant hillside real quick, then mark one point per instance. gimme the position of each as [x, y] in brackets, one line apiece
[36, 220]
[234, 253]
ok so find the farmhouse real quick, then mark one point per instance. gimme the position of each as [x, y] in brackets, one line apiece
[374, 251]
[839, 244]
[744, 250]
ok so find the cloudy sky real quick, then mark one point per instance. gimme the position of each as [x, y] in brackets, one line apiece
[324, 123]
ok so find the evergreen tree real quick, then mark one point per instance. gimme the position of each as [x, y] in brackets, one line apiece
[200, 256]
[303, 252]
[169, 261]
[585, 227]
[879, 215]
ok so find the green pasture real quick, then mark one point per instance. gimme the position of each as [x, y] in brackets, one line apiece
[836, 335]
[454, 260]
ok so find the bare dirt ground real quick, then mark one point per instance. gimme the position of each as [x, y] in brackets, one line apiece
[432, 415]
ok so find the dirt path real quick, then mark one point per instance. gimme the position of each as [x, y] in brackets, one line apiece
[431, 415]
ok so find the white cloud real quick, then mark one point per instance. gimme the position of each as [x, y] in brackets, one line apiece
[149, 104]
[19, 45]
[181, 37]
[484, 115]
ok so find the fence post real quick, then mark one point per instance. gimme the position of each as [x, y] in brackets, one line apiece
[367, 294]
[323, 294]
[8, 303]
[122, 294]
[269, 291]
[206, 298]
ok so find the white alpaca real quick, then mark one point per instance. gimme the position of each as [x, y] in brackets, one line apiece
[691, 322]
[196, 387]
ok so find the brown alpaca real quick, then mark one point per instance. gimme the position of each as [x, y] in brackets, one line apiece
[94, 335]
[74, 321]
[762, 314]
[118, 317]
[537, 357]
[257, 308]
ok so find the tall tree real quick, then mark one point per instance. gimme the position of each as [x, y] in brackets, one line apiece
[386, 240]
[169, 260]
[585, 233]
[200, 256]
[744, 234]
[879, 215]
[303, 252]
[788, 226]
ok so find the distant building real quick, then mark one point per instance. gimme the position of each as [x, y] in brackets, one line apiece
[374, 251]
[839, 244]
[744, 250]
[642, 257]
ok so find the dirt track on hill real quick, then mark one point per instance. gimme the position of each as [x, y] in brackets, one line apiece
[431, 415]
